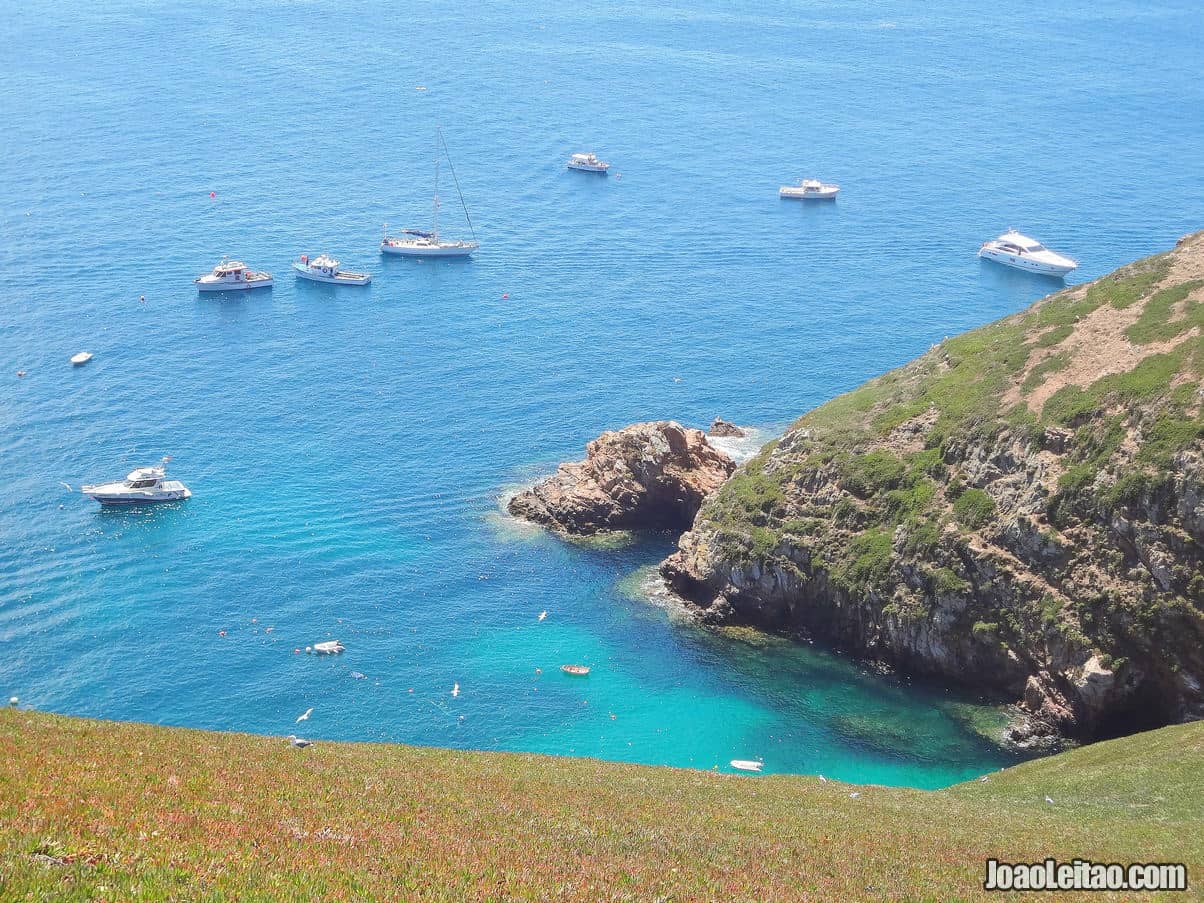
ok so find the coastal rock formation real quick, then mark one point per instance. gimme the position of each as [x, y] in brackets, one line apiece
[721, 429]
[1021, 509]
[645, 476]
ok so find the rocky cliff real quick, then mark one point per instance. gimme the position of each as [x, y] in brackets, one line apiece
[1020, 509]
[645, 476]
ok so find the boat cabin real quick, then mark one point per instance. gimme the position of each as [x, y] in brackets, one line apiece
[143, 478]
[1016, 243]
[234, 269]
[323, 264]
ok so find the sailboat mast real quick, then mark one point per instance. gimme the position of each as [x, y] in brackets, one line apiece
[435, 230]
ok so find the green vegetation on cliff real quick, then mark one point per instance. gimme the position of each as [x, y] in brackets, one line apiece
[95, 810]
[1046, 469]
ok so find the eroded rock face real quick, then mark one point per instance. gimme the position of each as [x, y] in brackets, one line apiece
[647, 476]
[1051, 552]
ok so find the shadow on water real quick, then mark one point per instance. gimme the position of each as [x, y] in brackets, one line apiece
[859, 704]
[1017, 285]
[823, 699]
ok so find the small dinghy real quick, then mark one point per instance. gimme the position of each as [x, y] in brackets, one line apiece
[575, 670]
[330, 647]
[748, 764]
[80, 359]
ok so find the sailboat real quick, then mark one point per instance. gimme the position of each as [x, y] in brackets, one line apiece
[423, 243]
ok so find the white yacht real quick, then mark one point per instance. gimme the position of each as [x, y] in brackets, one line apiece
[810, 189]
[231, 275]
[428, 243]
[1015, 250]
[587, 163]
[78, 360]
[142, 486]
[325, 268]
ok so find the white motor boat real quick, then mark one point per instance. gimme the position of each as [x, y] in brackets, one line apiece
[1015, 250]
[232, 275]
[810, 190]
[78, 360]
[427, 243]
[142, 486]
[587, 163]
[325, 268]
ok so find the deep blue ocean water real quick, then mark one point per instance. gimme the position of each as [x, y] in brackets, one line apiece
[349, 448]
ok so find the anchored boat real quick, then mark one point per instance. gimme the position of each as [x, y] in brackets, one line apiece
[1016, 250]
[428, 243]
[810, 190]
[142, 486]
[232, 275]
[587, 163]
[325, 268]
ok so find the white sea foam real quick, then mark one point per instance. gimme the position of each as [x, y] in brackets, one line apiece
[741, 448]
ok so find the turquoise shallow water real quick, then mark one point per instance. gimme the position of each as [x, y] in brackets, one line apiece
[348, 448]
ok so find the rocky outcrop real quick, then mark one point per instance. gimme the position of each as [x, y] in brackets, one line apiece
[941, 520]
[646, 476]
[721, 429]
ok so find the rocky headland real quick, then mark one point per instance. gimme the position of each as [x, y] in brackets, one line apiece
[1020, 510]
[647, 476]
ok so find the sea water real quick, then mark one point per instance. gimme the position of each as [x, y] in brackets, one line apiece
[349, 449]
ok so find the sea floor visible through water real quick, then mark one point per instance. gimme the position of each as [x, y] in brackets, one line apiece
[348, 448]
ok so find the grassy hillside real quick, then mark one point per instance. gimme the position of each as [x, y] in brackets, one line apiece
[94, 810]
[1112, 369]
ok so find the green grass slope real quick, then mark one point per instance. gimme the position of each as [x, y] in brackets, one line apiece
[93, 810]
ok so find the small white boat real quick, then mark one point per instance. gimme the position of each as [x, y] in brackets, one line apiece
[575, 670]
[810, 190]
[325, 268]
[142, 486]
[78, 360]
[330, 647]
[427, 243]
[748, 764]
[1015, 250]
[587, 163]
[232, 275]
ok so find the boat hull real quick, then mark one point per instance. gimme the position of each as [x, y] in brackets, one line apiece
[798, 194]
[460, 249]
[1026, 263]
[127, 500]
[218, 286]
[600, 168]
[338, 279]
